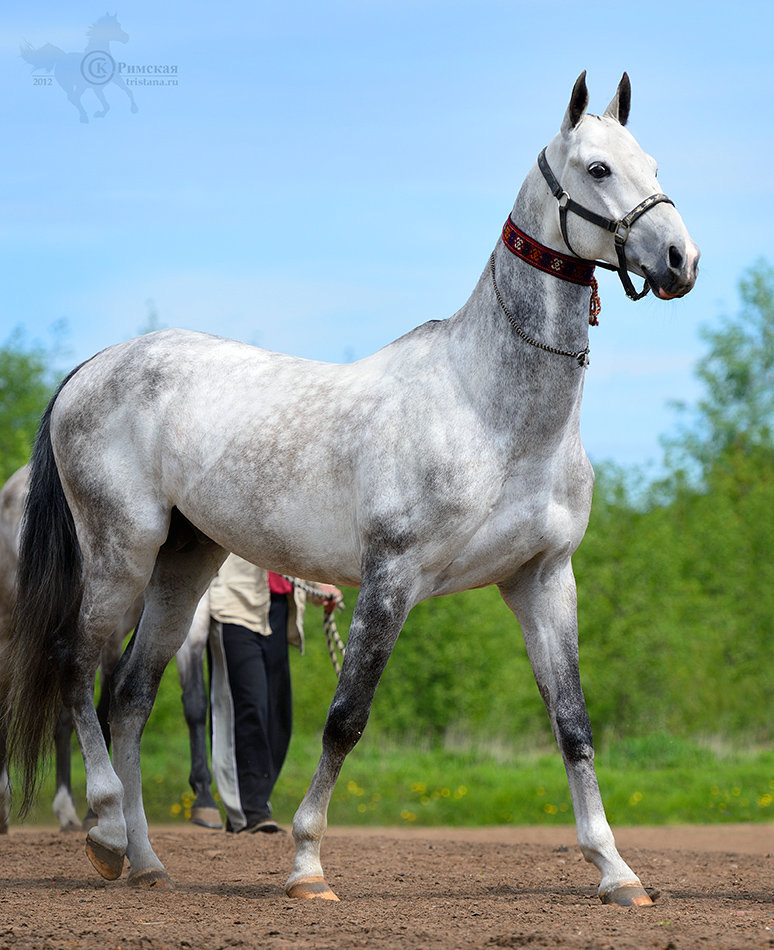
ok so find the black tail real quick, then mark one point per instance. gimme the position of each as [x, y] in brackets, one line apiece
[43, 638]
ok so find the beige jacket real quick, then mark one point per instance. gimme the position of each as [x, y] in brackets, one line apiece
[239, 593]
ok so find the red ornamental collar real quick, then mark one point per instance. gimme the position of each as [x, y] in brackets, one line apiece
[574, 269]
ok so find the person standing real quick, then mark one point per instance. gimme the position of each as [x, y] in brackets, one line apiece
[255, 615]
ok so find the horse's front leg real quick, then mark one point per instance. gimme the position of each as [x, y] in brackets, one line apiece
[543, 598]
[101, 113]
[376, 622]
[121, 83]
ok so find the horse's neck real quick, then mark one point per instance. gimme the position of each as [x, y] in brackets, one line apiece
[548, 309]
[97, 41]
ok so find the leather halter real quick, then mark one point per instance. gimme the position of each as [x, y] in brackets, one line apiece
[620, 228]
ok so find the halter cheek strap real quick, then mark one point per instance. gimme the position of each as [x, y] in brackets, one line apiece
[620, 228]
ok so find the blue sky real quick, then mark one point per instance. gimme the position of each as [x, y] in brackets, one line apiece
[325, 176]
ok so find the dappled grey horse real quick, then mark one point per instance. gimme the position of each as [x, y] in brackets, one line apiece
[448, 460]
[190, 660]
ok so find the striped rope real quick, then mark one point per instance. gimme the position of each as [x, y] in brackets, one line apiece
[332, 637]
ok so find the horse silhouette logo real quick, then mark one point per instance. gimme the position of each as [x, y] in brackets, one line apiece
[93, 69]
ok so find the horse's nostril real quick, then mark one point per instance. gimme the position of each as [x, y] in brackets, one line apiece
[675, 258]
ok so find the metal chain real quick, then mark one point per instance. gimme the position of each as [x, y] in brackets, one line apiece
[581, 356]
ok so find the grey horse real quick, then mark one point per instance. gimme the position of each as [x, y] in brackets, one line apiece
[450, 459]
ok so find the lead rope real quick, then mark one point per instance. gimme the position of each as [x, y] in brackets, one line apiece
[332, 637]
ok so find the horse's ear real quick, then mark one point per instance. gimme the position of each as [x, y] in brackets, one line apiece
[621, 102]
[578, 102]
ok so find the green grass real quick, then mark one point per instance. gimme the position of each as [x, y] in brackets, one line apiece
[472, 778]
[651, 780]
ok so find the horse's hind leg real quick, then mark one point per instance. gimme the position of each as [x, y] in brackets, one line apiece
[108, 660]
[106, 841]
[190, 668]
[109, 586]
[544, 600]
[179, 580]
[377, 620]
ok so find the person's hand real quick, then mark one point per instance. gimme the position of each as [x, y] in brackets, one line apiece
[332, 597]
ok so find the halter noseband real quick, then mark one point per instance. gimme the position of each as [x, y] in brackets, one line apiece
[620, 229]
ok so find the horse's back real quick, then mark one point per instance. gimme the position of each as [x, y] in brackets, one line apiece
[235, 437]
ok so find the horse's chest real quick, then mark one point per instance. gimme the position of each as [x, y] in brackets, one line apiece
[532, 515]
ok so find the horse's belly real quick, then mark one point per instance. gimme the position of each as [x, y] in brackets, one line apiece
[298, 533]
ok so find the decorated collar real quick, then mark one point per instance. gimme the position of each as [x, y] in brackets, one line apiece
[574, 269]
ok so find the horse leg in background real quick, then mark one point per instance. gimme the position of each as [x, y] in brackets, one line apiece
[180, 577]
[108, 661]
[543, 598]
[190, 668]
[5, 786]
[64, 804]
[379, 615]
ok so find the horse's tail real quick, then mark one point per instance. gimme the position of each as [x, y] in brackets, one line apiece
[44, 57]
[49, 590]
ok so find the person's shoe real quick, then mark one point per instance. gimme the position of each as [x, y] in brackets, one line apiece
[267, 826]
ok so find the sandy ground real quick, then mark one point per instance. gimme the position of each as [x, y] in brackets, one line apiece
[399, 887]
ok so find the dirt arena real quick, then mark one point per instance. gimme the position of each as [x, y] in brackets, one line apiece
[424, 888]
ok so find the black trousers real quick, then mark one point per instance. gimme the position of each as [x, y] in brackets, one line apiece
[259, 680]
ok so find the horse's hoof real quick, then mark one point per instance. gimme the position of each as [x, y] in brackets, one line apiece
[69, 826]
[311, 887]
[151, 877]
[628, 895]
[206, 818]
[109, 863]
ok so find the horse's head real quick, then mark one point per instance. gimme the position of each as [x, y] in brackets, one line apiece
[108, 29]
[610, 206]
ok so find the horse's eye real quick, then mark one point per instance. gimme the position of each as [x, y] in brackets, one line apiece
[598, 170]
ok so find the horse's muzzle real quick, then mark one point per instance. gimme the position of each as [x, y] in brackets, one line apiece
[677, 275]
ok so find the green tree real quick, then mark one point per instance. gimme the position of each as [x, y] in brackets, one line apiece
[677, 584]
[737, 405]
[27, 380]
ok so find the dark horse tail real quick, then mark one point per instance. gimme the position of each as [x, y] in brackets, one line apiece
[48, 599]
